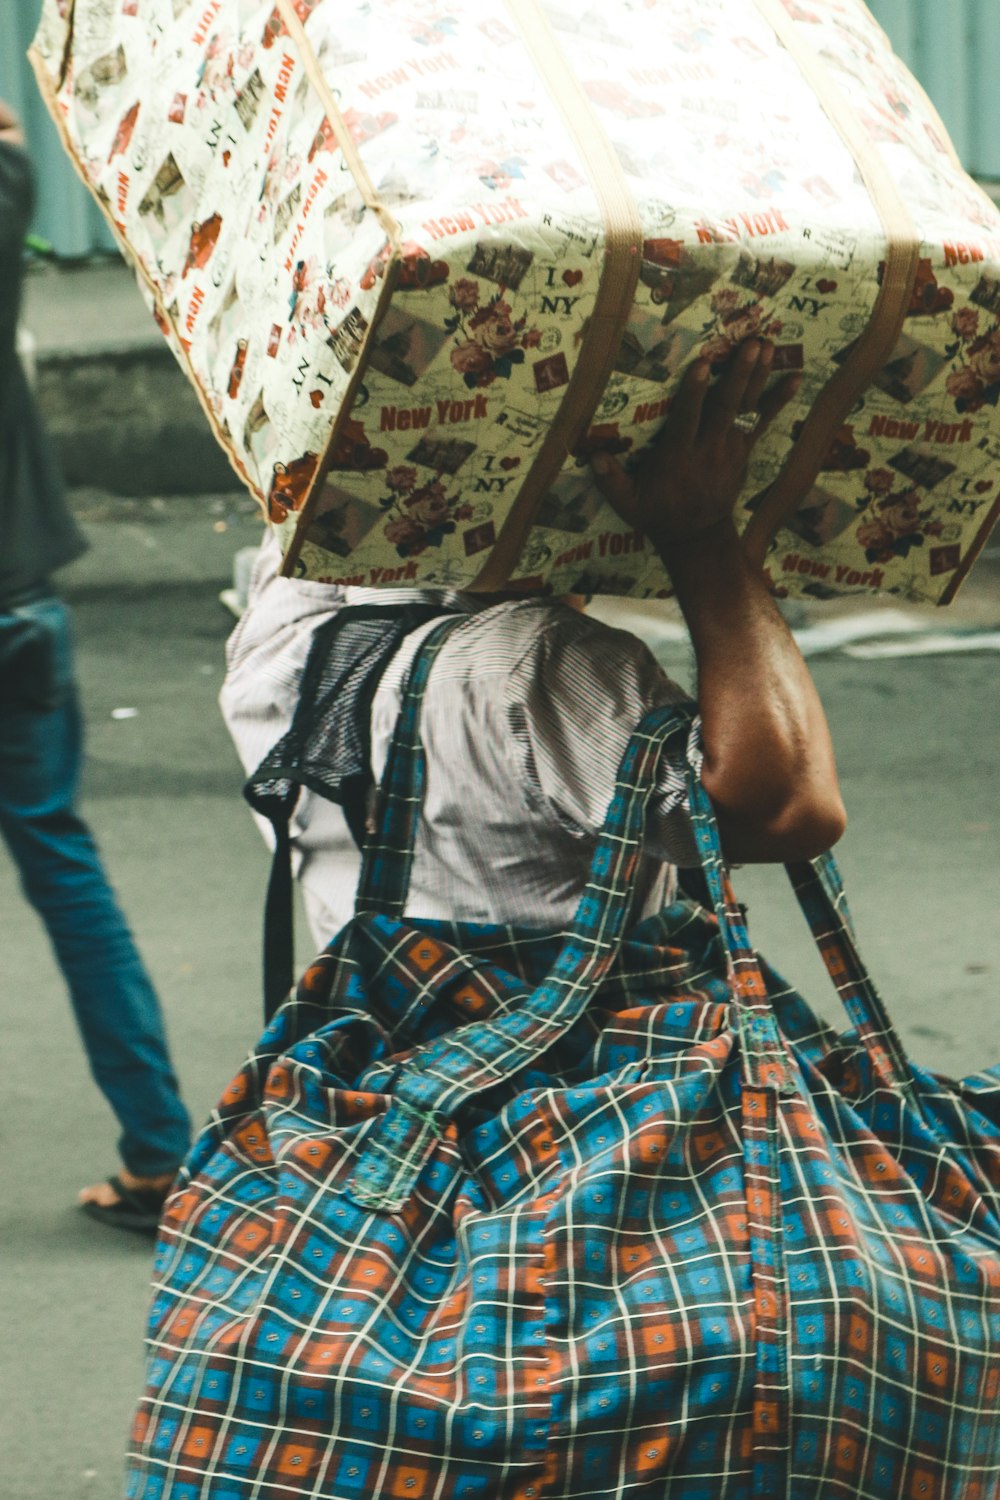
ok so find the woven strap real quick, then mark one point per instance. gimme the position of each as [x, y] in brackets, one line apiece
[388, 855]
[439, 1077]
[821, 896]
[327, 748]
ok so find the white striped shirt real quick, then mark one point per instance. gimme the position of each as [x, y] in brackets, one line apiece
[526, 717]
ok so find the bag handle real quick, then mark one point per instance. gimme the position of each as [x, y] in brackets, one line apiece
[820, 893]
[439, 1077]
[368, 635]
[387, 857]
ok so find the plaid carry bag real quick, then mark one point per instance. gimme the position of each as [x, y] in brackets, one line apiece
[492, 1213]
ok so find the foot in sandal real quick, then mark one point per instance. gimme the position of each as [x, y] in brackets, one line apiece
[126, 1201]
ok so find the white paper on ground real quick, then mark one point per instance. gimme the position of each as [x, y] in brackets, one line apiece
[938, 643]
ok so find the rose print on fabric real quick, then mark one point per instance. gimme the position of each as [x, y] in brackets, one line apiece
[733, 322]
[491, 342]
[975, 380]
[453, 336]
[420, 515]
[416, 270]
[893, 521]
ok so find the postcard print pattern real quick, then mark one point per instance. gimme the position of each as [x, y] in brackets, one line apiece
[375, 244]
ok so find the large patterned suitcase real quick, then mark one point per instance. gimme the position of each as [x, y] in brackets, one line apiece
[421, 260]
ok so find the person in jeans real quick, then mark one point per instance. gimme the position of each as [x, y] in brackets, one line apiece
[113, 999]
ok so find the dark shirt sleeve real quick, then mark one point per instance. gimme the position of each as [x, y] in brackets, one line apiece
[17, 196]
[37, 531]
[17, 204]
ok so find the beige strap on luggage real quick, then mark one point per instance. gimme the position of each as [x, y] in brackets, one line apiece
[874, 348]
[623, 235]
[365, 186]
[615, 296]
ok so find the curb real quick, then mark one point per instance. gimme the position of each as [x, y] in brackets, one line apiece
[127, 421]
[119, 409]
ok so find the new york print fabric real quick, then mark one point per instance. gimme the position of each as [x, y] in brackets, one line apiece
[199, 125]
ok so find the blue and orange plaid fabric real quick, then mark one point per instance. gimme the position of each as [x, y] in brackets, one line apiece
[492, 1213]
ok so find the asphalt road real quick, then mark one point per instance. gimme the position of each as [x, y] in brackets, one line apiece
[920, 760]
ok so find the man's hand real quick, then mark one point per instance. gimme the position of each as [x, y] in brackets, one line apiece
[769, 766]
[10, 126]
[693, 475]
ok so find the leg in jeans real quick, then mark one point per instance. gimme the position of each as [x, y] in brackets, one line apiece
[113, 999]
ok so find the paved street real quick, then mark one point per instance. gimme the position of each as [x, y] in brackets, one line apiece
[920, 760]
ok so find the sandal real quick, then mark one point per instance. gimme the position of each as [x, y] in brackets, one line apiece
[137, 1208]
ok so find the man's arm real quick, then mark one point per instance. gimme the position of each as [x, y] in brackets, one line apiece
[769, 765]
[16, 207]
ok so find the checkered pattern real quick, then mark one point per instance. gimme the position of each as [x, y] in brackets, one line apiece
[490, 1213]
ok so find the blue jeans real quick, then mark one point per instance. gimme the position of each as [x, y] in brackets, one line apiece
[113, 998]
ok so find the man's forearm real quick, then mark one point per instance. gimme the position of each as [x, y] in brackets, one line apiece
[769, 763]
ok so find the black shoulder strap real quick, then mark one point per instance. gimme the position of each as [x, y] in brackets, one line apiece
[327, 749]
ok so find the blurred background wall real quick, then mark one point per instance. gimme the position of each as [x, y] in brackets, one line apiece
[952, 45]
[66, 217]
